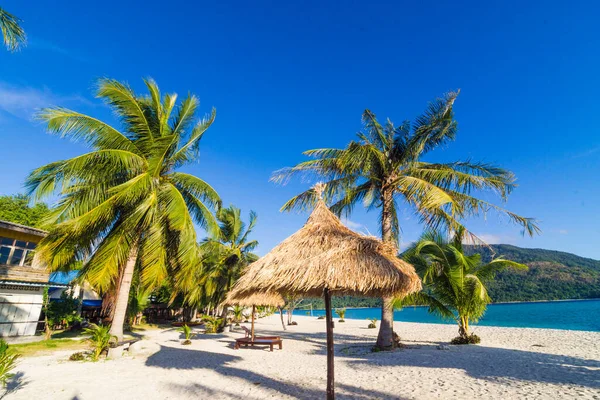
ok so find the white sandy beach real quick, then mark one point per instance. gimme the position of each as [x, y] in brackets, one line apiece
[509, 363]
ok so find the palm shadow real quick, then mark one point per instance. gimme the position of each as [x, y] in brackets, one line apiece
[491, 363]
[15, 383]
[223, 364]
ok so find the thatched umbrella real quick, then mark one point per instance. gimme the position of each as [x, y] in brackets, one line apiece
[253, 300]
[326, 258]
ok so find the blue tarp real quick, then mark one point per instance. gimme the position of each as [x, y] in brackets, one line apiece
[63, 277]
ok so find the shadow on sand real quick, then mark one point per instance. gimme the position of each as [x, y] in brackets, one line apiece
[223, 364]
[491, 363]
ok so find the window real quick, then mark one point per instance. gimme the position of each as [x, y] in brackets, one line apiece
[16, 252]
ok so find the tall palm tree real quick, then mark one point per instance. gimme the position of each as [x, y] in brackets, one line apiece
[225, 254]
[454, 283]
[385, 166]
[124, 206]
[12, 33]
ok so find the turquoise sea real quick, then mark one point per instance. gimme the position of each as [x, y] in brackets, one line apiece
[579, 315]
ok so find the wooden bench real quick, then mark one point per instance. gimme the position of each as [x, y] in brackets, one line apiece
[259, 340]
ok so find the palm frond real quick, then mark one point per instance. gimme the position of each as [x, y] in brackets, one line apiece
[12, 32]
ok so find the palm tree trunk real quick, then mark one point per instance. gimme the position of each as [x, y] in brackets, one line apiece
[281, 316]
[120, 307]
[385, 338]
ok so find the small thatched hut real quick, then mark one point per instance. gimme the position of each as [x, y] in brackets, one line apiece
[253, 300]
[326, 258]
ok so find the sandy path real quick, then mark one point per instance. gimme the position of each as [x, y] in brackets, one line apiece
[510, 363]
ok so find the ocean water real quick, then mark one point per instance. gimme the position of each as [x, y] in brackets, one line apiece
[579, 315]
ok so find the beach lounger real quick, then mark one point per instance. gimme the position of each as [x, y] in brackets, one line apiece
[264, 340]
[259, 340]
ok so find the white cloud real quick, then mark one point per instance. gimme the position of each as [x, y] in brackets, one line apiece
[23, 101]
[491, 238]
[355, 226]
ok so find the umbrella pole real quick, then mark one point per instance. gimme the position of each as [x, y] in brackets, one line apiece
[252, 328]
[330, 375]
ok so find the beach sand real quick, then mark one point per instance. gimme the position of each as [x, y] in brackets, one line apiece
[509, 363]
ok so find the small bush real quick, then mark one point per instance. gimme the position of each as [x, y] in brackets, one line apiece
[321, 317]
[187, 341]
[211, 324]
[373, 323]
[187, 331]
[79, 356]
[341, 312]
[471, 339]
[8, 361]
[101, 339]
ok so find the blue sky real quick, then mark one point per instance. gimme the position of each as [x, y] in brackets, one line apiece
[290, 76]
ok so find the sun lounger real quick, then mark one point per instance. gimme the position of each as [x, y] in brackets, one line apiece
[259, 340]
[264, 340]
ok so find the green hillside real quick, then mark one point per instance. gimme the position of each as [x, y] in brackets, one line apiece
[552, 275]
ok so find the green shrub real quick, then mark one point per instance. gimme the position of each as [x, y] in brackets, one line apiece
[373, 323]
[8, 361]
[100, 339]
[79, 356]
[187, 331]
[341, 312]
[321, 317]
[211, 324]
[470, 339]
[238, 314]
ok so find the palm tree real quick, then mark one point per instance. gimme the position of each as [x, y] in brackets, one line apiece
[225, 254]
[123, 206]
[385, 166]
[13, 34]
[454, 283]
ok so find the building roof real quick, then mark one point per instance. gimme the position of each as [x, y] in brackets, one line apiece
[22, 228]
[32, 284]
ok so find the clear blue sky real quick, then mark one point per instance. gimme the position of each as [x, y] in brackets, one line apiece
[290, 76]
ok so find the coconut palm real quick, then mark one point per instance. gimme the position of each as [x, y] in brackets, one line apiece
[12, 33]
[385, 166]
[225, 254]
[124, 206]
[454, 283]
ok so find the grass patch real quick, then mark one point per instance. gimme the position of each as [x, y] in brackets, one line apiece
[48, 346]
[148, 327]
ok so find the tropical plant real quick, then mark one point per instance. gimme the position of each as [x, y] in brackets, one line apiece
[139, 298]
[238, 314]
[385, 166]
[62, 312]
[8, 362]
[454, 283]
[187, 332]
[341, 312]
[100, 339]
[373, 323]
[225, 253]
[12, 33]
[212, 324]
[79, 356]
[123, 206]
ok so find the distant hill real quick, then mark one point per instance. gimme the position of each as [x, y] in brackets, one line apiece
[552, 275]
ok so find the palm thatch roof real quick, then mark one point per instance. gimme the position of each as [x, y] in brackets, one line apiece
[326, 254]
[255, 299]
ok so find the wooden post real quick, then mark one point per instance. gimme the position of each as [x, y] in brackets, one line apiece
[252, 328]
[329, 322]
